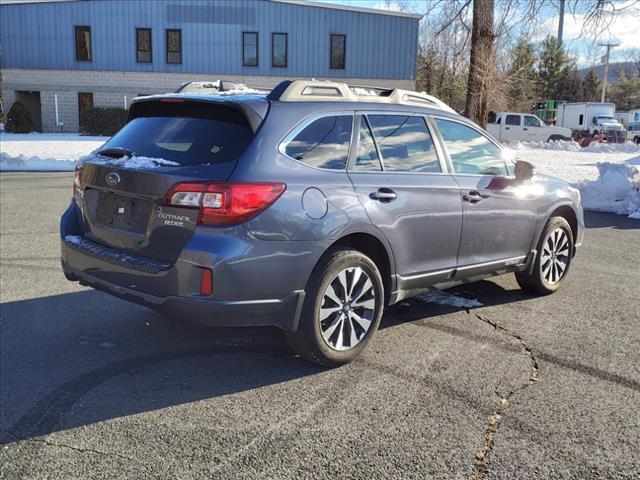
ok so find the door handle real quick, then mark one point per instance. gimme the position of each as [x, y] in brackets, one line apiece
[525, 128]
[474, 196]
[384, 195]
[506, 128]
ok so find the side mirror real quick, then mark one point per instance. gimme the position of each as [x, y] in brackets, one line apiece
[524, 170]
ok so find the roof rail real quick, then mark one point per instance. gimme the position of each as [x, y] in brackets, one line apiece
[318, 91]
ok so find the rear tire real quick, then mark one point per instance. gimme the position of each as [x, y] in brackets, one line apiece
[342, 309]
[553, 259]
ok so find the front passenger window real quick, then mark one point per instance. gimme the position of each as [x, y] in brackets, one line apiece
[470, 151]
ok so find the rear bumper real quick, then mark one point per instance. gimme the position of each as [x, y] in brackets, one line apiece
[279, 312]
[283, 313]
[174, 287]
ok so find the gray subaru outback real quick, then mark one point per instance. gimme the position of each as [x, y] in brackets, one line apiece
[310, 208]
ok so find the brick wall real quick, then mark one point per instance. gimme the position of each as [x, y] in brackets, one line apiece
[109, 88]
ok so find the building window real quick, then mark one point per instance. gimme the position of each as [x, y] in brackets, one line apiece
[279, 50]
[85, 101]
[174, 46]
[83, 44]
[250, 49]
[143, 45]
[337, 51]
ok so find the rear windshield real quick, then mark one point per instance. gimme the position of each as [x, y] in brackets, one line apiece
[189, 133]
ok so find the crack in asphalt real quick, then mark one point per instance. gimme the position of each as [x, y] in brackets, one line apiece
[78, 449]
[481, 465]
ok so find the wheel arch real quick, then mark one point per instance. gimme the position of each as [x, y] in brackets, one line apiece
[374, 248]
[566, 212]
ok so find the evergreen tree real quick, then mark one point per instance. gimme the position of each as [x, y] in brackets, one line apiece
[521, 76]
[570, 88]
[626, 93]
[591, 86]
[554, 68]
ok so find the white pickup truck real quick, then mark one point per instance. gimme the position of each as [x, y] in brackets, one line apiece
[511, 126]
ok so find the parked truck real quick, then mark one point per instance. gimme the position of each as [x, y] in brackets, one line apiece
[633, 127]
[591, 119]
[512, 126]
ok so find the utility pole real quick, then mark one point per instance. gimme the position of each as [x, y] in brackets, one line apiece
[561, 22]
[608, 45]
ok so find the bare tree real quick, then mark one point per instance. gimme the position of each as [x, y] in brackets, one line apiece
[481, 62]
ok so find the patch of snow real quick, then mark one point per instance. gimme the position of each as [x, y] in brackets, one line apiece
[442, 297]
[571, 146]
[74, 239]
[135, 162]
[45, 151]
[240, 91]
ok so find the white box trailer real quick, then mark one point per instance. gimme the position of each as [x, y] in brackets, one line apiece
[591, 118]
[633, 127]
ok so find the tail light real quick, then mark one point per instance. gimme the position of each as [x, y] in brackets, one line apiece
[77, 180]
[225, 203]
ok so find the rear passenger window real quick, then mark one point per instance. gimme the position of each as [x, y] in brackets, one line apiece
[367, 159]
[405, 143]
[512, 120]
[324, 143]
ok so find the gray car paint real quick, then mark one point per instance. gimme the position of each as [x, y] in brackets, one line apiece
[261, 268]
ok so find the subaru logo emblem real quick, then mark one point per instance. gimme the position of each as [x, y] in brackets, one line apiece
[112, 178]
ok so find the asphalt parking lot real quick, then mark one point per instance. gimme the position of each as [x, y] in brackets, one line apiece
[522, 387]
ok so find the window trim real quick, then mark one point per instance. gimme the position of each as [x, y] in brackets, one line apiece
[433, 117]
[344, 51]
[77, 28]
[257, 49]
[444, 167]
[150, 44]
[304, 123]
[286, 49]
[166, 45]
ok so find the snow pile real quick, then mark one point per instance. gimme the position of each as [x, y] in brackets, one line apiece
[616, 190]
[571, 146]
[135, 162]
[45, 151]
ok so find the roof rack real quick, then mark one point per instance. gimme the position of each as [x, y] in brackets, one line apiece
[318, 91]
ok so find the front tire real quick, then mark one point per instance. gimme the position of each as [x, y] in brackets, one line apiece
[342, 309]
[553, 258]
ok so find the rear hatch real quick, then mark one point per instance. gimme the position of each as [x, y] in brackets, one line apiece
[166, 141]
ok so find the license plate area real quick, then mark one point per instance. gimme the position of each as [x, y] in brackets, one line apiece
[121, 212]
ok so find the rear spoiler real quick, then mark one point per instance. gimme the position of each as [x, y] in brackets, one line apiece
[254, 119]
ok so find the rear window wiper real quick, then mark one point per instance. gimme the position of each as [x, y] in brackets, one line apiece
[116, 152]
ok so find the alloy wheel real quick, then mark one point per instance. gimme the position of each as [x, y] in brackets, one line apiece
[555, 256]
[347, 308]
